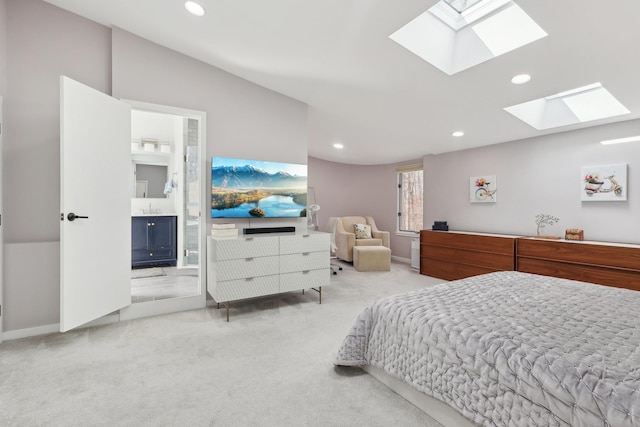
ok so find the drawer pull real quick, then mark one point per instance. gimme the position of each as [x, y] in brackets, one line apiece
[248, 279]
[249, 259]
[248, 239]
[305, 253]
[306, 235]
[306, 272]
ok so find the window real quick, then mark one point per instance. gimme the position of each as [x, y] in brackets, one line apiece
[410, 193]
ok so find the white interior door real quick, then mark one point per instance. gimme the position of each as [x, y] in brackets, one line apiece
[95, 167]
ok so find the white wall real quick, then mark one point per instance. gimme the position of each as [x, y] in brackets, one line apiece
[537, 175]
[145, 124]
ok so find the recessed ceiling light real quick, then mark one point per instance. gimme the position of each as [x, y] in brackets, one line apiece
[457, 133]
[521, 79]
[194, 8]
[338, 146]
[621, 140]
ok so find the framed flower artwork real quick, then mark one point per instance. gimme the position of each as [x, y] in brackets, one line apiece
[482, 189]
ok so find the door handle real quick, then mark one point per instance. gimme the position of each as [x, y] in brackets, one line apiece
[72, 216]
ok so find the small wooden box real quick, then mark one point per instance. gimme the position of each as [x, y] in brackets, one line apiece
[574, 234]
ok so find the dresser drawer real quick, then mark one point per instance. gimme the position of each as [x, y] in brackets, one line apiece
[245, 247]
[304, 261]
[245, 288]
[247, 267]
[304, 279]
[304, 243]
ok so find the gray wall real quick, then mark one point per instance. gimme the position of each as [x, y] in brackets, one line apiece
[343, 190]
[538, 175]
[43, 42]
[3, 48]
[243, 119]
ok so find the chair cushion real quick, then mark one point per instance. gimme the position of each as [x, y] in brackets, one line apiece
[362, 231]
[368, 242]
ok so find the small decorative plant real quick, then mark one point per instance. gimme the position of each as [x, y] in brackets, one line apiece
[543, 220]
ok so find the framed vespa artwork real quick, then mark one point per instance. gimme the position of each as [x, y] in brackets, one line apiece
[604, 183]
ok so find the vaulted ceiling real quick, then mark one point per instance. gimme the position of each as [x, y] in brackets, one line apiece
[382, 102]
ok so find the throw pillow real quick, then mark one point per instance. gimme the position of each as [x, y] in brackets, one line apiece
[362, 231]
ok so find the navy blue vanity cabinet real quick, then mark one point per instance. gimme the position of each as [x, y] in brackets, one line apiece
[153, 241]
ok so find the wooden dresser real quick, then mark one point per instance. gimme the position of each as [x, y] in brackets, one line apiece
[608, 264]
[453, 255]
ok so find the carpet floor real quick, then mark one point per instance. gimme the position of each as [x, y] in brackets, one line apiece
[271, 365]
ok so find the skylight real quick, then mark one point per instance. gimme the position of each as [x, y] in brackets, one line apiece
[462, 5]
[584, 104]
[467, 32]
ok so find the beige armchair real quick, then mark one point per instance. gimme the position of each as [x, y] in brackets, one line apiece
[346, 238]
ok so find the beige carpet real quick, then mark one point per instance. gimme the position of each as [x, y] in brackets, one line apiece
[272, 365]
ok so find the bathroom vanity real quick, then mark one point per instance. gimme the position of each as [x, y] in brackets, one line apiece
[153, 240]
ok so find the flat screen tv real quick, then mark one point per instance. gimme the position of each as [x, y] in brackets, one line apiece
[256, 189]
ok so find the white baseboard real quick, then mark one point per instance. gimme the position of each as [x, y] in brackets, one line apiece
[54, 328]
[400, 259]
[30, 332]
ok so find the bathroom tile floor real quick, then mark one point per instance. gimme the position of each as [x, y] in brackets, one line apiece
[150, 284]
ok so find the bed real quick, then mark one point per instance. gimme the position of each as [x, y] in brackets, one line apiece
[509, 349]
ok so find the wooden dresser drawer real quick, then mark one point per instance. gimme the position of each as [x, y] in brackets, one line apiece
[247, 267]
[454, 255]
[476, 242]
[304, 243]
[608, 264]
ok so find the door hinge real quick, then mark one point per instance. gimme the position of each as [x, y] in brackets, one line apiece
[186, 252]
[0, 311]
[186, 158]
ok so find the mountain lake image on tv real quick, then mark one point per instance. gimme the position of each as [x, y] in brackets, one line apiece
[257, 189]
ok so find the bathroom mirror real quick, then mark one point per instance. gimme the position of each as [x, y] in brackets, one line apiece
[150, 180]
[150, 177]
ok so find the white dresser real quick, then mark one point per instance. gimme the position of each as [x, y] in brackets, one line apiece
[264, 264]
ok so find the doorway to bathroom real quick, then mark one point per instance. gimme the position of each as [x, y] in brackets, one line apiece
[166, 204]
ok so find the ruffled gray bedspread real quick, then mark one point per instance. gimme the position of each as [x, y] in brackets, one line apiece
[511, 349]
